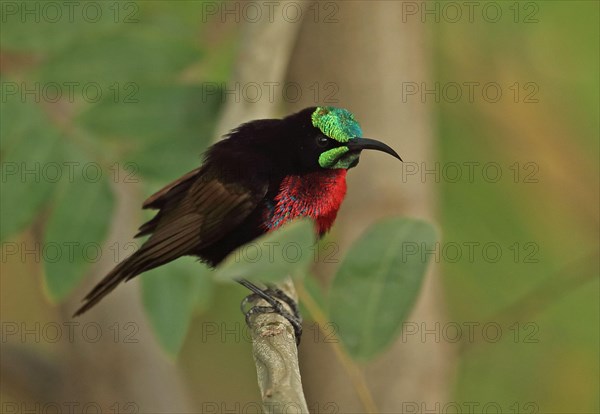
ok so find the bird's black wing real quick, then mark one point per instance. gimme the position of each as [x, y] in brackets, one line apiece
[169, 192]
[195, 211]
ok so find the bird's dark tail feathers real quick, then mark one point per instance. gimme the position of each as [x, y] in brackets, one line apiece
[135, 264]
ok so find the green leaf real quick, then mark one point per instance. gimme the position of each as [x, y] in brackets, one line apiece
[285, 252]
[171, 294]
[29, 154]
[48, 27]
[155, 112]
[165, 130]
[107, 59]
[76, 229]
[378, 282]
[44, 28]
[315, 291]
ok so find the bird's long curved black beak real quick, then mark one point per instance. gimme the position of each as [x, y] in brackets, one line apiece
[359, 144]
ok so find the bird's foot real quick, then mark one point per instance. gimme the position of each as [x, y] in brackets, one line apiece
[274, 297]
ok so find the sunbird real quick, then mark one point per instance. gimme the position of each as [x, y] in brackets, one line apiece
[262, 175]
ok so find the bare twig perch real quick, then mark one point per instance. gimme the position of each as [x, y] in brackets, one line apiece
[263, 58]
[276, 358]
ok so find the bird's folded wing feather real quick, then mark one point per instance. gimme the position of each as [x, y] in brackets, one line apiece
[156, 200]
[199, 216]
[194, 213]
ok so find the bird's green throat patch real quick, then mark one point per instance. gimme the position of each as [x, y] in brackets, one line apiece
[338, 124]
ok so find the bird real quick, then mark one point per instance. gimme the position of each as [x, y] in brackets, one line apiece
[261, 175]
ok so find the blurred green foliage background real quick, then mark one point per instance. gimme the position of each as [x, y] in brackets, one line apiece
[558, 210]
[152, 61]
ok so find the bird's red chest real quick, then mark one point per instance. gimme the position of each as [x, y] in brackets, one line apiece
[316, 195]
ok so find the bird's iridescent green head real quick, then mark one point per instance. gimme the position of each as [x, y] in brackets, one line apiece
[342, 143]
[336, 123]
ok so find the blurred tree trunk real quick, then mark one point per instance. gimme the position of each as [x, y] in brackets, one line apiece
[367, 54]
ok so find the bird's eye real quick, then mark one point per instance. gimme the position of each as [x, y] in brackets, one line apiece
[322, 141]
